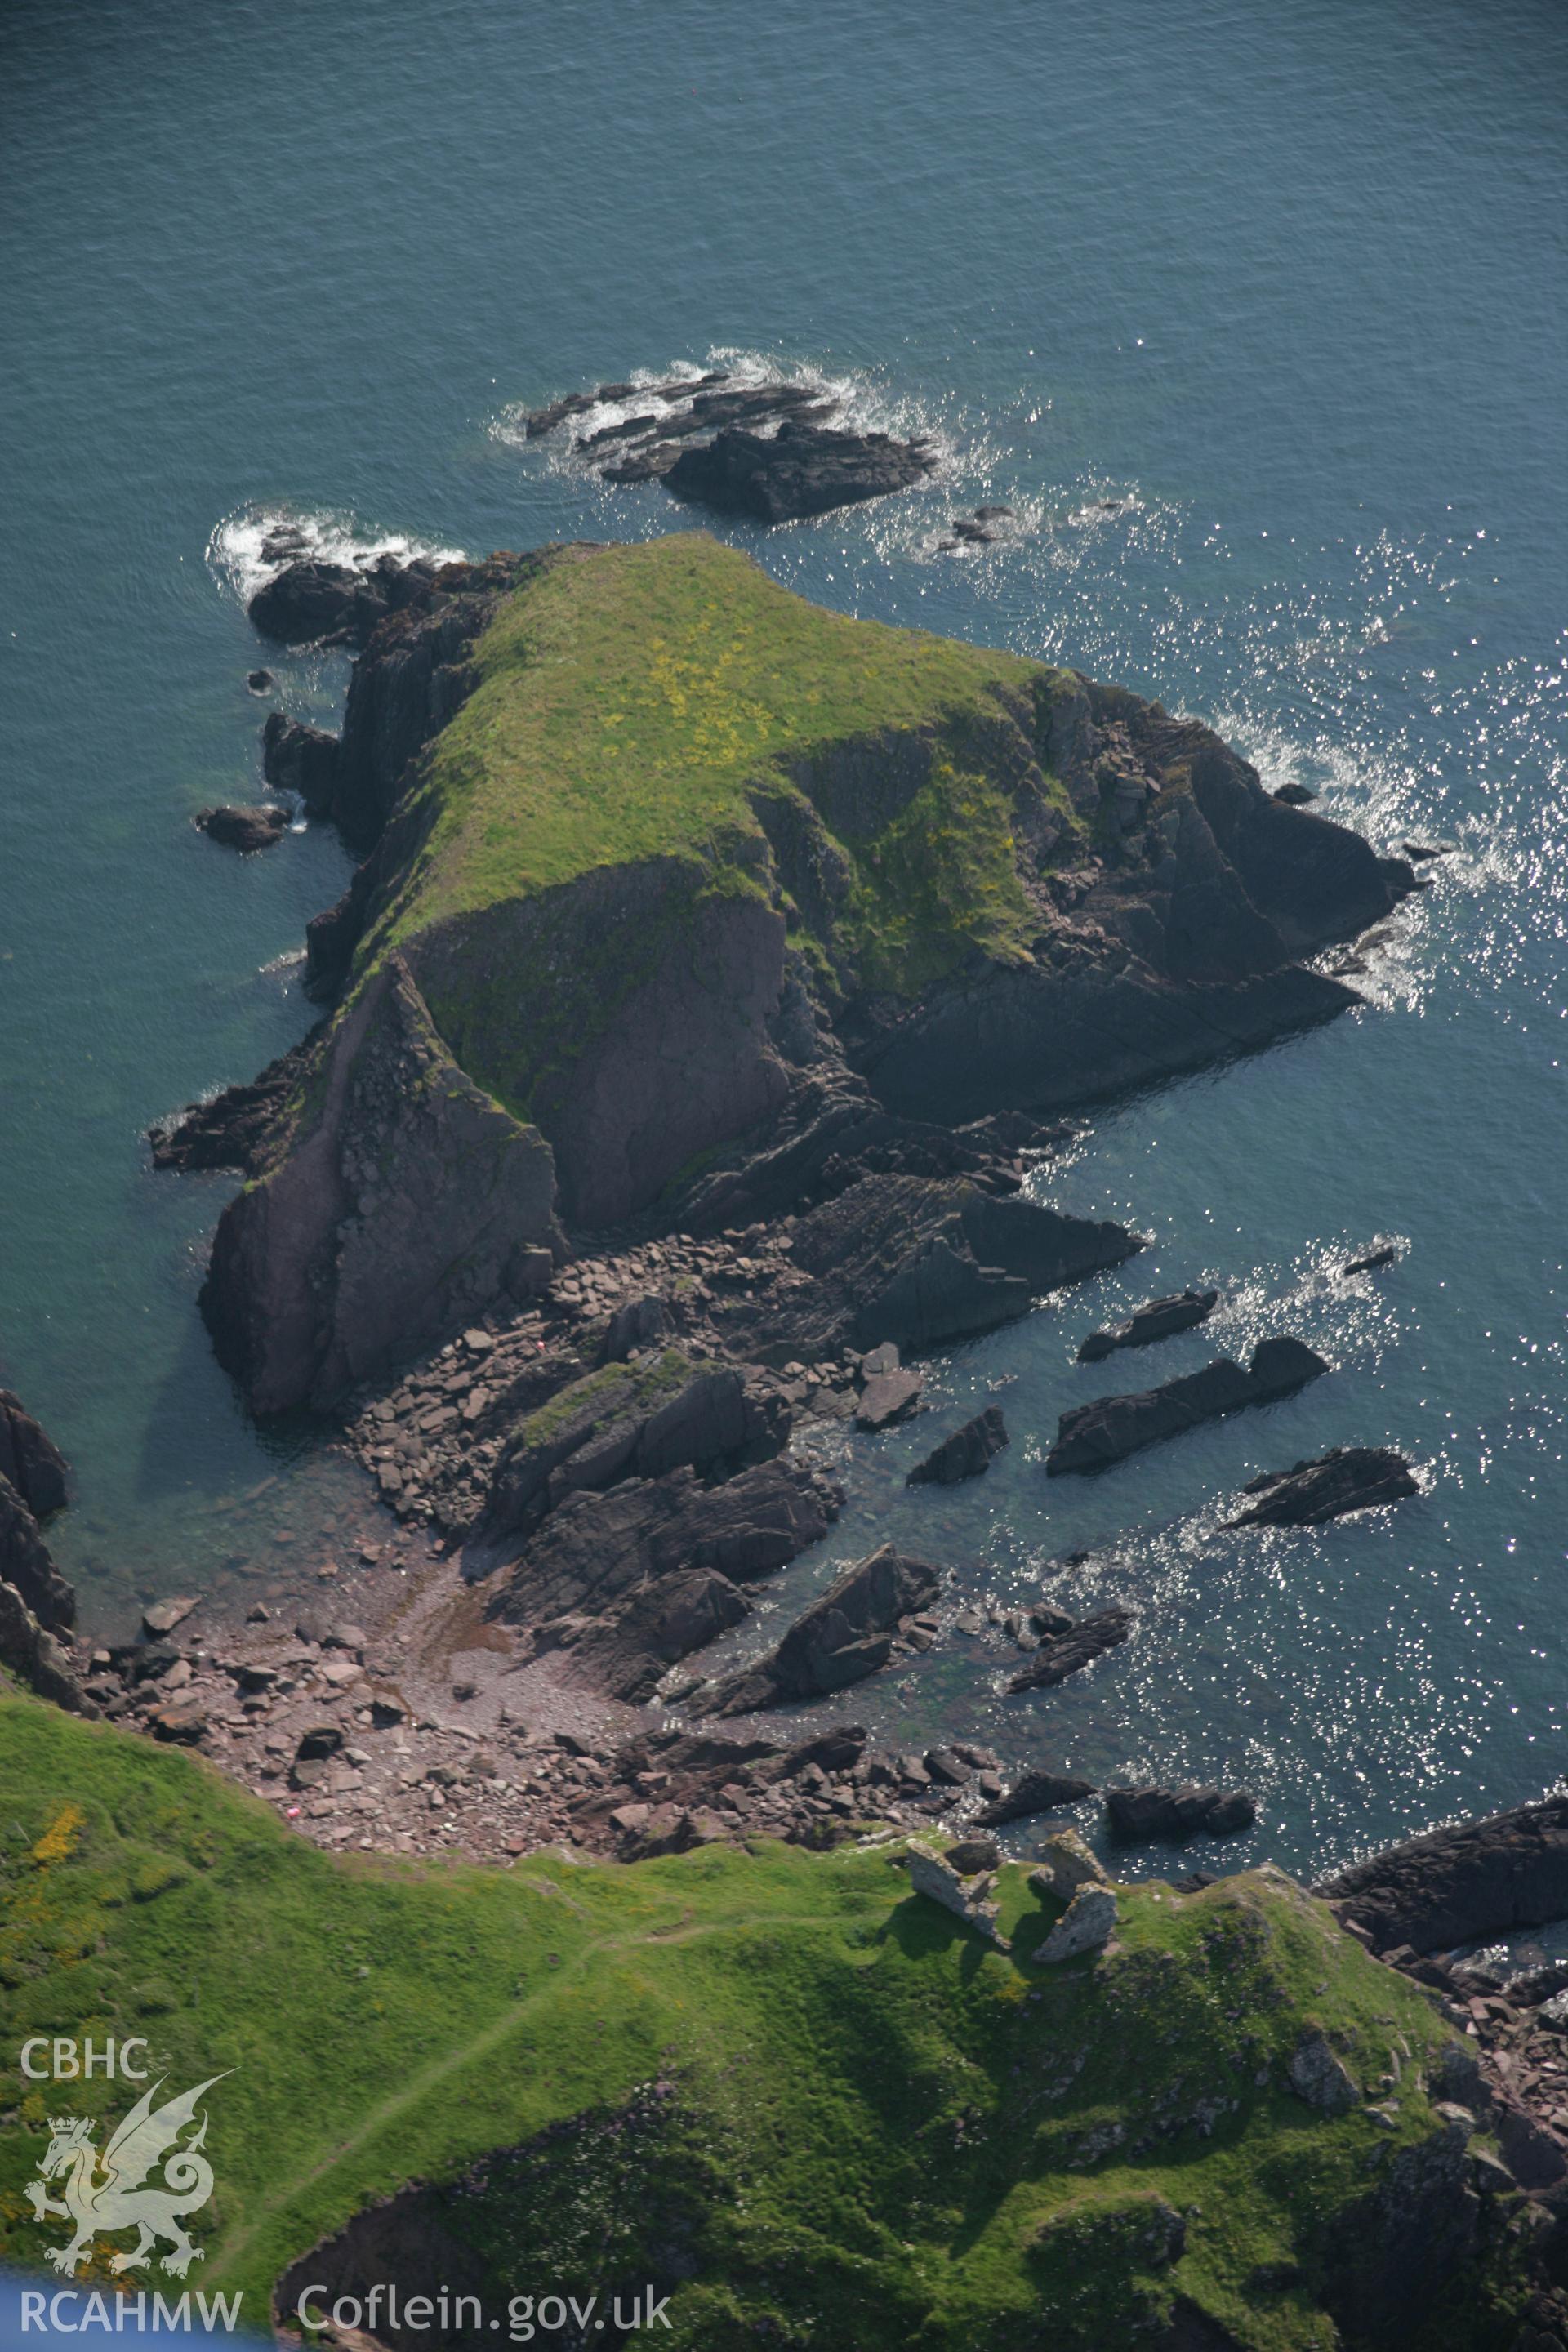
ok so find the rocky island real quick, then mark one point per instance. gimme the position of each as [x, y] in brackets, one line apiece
[685, 901]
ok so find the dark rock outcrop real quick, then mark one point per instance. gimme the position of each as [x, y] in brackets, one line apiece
[1391, 2263]
[629, 1581]
[845, 1635]
[300, 759]
[964, 1454]
[37, 1603]
[1387, 1255]
[245, 829]
[918, 1263]
[1093, 1436]
[32, 1652]
[1157, 1318]
[633, 1421]
[802, 469]
[1037, 1792]
[1074, 1647]
[30, 1459]
[234, 1129]
[1350, 1478]
[26, 1566]
[1468, 1884]
[1150, 1812]
[309, 602]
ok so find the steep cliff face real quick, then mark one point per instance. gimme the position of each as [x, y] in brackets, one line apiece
[37, 1605]
[665, 862]
[400, 1201]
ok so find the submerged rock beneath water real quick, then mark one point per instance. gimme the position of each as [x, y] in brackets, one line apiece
[1350, 1478]
[1093, 1436]
[1157, 1318]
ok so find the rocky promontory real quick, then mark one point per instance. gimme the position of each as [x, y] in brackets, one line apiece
[686, 903]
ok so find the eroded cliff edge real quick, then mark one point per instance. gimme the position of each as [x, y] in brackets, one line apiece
[679, 893]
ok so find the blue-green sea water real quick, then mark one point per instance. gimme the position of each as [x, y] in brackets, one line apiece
[1288, 283]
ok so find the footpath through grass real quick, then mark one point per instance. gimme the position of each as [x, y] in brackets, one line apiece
[850, 2119]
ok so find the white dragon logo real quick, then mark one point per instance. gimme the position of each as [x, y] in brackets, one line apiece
[104, 2193]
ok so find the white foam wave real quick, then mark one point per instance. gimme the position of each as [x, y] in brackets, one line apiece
[249, 546]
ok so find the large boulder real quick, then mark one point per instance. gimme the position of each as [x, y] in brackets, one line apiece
[1350, 1478]
[802, 469]
[245, 829]
[964, 1454]
[1038, 1791]
[1152, 1812]
[846, 1634]
[1093, 1436]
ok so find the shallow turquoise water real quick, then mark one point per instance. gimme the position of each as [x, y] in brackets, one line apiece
[1291, 282]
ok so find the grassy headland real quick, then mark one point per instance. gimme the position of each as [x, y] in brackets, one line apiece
[878, 2131]
[632, 700]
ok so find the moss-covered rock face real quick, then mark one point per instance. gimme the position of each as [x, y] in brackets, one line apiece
[804, 2102]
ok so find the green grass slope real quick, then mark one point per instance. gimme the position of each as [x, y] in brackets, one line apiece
[880, 2133]
[629, 696]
